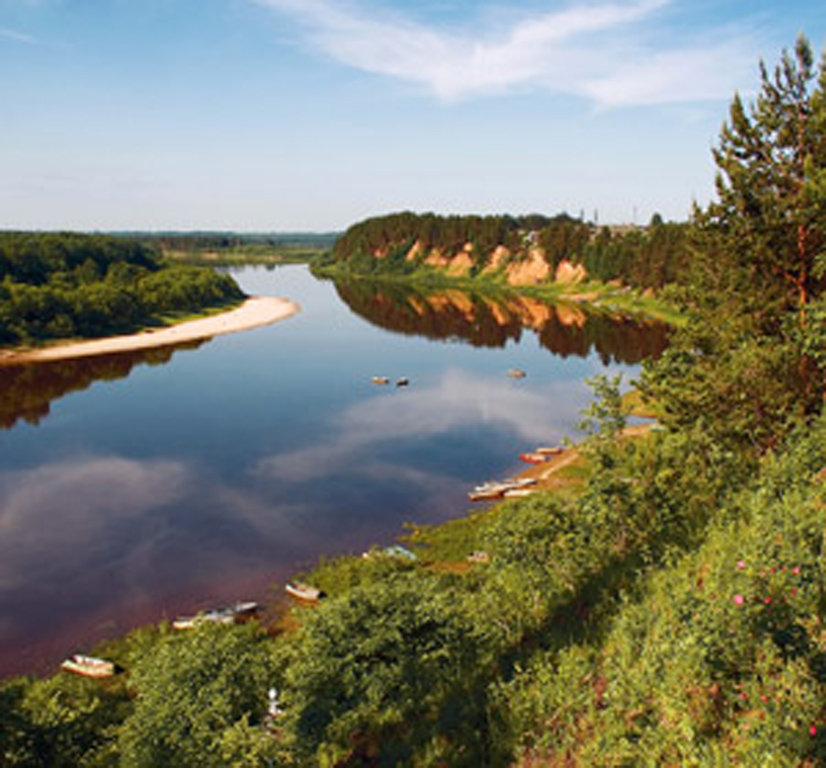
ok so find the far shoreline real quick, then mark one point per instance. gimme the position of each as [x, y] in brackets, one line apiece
[254, 312]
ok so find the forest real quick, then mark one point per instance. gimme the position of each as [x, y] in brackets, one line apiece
[640, 257]
[70, 285]
[666, 609]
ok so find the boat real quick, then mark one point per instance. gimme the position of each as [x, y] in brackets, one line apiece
[533, 458]
[487, 494]
[88, 666]
[402, 382]
[517, 493]
[380, 380]
[227, 615]
[303, 592]
[393, 551]
[516, 373]
[553, 450]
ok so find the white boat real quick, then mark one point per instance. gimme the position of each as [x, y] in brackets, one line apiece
[88, 666]
[517, 493]
[303, 592]
[226, 615]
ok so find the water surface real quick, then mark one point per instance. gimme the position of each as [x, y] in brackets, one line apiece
[137, 487]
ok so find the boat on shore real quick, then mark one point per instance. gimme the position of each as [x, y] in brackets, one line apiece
[227, 615]
[499, 489]
[89, 666]
[303, 592]
[552, 450]
[534, 457]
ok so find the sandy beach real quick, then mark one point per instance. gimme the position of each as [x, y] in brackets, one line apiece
[255, 311]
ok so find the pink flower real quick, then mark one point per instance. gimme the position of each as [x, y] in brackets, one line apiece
[743, 696]
[767, 600]
[796, 570]
[741, 564]
[813, 731]
[738, 599]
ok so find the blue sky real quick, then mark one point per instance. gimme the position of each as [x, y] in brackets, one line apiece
[312, 114]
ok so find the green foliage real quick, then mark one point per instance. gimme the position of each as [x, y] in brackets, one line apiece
[720, 659]
[393, 674]
[69, 285]
[202, 697]
[398, 243]
[64, 721]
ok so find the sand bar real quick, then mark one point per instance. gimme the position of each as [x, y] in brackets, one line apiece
[254, 312]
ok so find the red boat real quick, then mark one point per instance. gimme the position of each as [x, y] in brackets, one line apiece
[533, 458]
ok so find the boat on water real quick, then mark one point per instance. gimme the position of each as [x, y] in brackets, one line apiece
[88, 666]
[303, 592]
[380, 380]
[227, 615]
[402, 382]
[517, 373]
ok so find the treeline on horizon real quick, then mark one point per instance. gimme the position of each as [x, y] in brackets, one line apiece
[668, 610]
[67, 285]
[641, 257]
[221, 241]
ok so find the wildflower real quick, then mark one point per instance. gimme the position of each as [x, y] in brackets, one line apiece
[738, 599]
[813, 731]
[794, 590]
[796, 571]
[741, 564]
[767, 600]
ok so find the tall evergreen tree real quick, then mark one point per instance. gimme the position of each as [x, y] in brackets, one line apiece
[772, 178]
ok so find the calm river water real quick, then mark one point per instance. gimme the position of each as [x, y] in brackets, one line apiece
[137, 487]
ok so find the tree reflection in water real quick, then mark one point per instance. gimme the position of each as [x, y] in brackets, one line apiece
[487, 321]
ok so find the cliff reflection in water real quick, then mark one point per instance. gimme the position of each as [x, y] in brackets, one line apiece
[485, 321]
[27, 391]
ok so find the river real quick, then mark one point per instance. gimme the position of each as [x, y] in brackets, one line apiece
[137, 487]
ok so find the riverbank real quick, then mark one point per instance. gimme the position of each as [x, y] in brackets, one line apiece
[253, 312]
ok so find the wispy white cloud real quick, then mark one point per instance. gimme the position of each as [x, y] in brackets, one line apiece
[18, 37]
[599, 51]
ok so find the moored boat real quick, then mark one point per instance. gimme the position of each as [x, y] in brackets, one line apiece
[380, 380]
[303, 592]
[533, 457]
[517, 493]
[88, 666]
[226, 615]
[517, 373]
[553, 450]
[487, 494]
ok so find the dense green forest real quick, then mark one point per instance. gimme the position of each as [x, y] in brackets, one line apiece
[641, 257]
[667, 611]
[66, 285]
